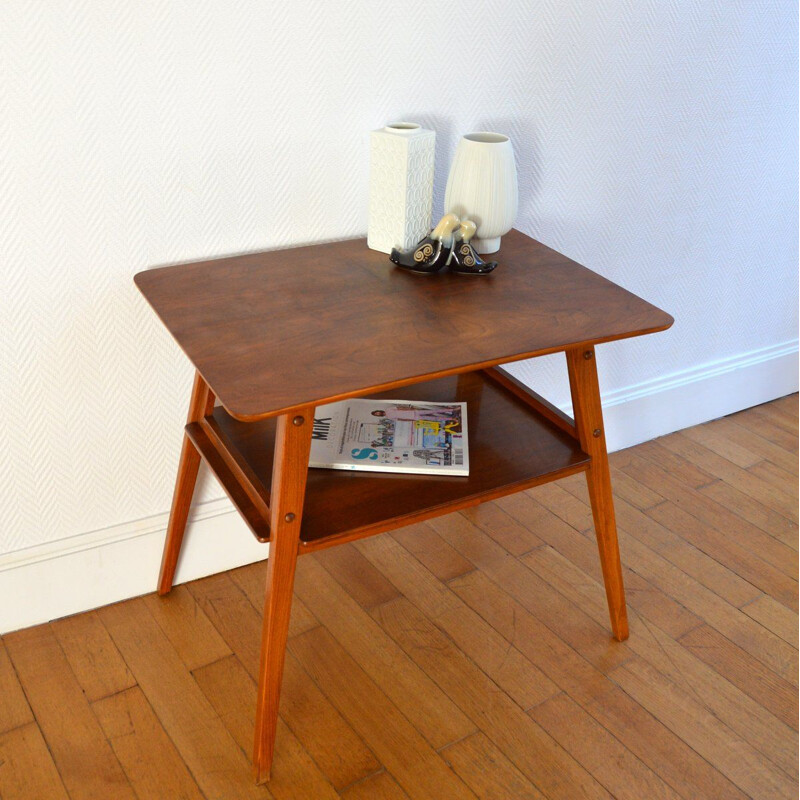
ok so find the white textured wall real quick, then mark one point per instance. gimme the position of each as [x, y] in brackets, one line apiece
[656, 141]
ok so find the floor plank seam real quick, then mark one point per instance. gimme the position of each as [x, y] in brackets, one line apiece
[361, 780]
[444, 747]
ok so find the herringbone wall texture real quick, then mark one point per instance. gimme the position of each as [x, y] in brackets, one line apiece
[656, 143]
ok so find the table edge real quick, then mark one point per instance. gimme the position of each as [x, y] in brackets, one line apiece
[410, 381]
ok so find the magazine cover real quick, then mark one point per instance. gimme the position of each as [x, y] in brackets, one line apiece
[391, 436]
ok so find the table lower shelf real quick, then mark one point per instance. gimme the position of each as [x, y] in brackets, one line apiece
[511, 447]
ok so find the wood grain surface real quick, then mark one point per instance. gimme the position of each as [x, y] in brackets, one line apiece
[274, 331]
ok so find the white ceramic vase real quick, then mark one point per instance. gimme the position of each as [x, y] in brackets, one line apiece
[482, 186]
[400, 185]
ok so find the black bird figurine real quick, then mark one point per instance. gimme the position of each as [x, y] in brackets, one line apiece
[463, 259]
[433, 252]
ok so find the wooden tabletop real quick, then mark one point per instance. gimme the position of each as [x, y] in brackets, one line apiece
[278, 330]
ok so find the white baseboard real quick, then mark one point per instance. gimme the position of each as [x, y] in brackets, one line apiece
[672, 402]
[100, 567]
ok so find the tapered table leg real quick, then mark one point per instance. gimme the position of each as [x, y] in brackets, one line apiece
[591, 434]
[200, 405]
[289, 473]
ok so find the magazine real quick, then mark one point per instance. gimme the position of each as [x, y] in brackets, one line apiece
[391, 436]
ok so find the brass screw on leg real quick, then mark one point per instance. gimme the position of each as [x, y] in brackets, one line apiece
[596, 433]
[587, 355]
[298, 420]
[289, 517]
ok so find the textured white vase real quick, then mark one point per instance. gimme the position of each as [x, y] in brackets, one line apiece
[400, 185]
[482, 186]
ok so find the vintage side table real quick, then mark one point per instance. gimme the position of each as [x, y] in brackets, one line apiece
[273, 335]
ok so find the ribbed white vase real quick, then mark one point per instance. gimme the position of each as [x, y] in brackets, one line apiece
[482, 186]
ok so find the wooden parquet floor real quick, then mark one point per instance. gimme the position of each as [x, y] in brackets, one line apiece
[469, 656]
